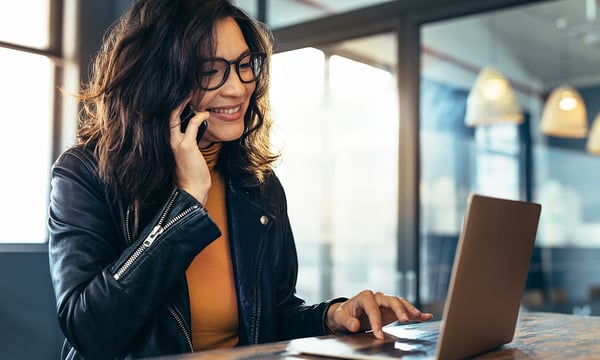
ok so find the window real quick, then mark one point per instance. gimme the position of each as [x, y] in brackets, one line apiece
[27, 93]
[25, 142]
[339, 168]
[517, 162]
[25, 23]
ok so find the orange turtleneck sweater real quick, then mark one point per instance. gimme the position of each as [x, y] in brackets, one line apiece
[210, 276]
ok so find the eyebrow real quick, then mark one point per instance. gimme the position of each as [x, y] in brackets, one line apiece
[245, 52]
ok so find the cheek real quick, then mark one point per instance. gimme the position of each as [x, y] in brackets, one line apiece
[251, 88]
[206, 99]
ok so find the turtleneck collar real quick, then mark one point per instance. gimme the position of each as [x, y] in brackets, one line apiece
[211, 154]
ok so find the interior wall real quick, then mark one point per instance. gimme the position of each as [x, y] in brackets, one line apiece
[29, 328]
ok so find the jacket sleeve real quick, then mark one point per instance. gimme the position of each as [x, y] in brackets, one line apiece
[99, 315]
[296, 318]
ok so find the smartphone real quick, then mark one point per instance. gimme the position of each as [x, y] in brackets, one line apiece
[187, 114]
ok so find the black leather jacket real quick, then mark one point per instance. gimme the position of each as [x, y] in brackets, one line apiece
[124, 297]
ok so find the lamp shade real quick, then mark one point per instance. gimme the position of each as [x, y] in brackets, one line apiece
[492, 100]
[593, 144]
[564, 114]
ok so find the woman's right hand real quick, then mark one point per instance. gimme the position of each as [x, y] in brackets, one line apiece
[191, 169]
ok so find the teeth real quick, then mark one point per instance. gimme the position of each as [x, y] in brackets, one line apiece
[226, 111]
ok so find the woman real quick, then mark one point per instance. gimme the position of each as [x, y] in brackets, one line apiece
[163, 240]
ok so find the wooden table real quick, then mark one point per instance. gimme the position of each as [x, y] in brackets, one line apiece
[548, 336]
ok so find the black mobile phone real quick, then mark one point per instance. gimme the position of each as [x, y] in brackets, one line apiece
[186, 115]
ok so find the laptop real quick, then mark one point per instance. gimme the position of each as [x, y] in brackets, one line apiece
[484, 295]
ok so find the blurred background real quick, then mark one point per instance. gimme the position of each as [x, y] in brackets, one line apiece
[388, 115]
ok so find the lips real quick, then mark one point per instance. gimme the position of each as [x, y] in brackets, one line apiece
[225, 111]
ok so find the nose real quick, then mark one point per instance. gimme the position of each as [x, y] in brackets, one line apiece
[233, 84]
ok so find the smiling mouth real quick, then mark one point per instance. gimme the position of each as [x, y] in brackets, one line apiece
[225, 111]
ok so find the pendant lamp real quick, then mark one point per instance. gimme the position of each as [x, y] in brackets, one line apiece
[593, 144]
[492, 100]
[564, 114]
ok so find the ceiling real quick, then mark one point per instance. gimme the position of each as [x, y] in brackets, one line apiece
[557, 42]
[553, 42]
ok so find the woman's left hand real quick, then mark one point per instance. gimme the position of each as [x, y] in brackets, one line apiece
[371, 311]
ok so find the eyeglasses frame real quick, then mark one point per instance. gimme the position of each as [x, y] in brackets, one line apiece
[235, 62]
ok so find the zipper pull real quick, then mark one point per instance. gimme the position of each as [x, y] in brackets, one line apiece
[157, 230]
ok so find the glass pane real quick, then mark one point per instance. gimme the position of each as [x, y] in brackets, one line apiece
[537, 47]
[339, 167]
[26, 91]
[289, 12]
[249, 6]
[25, 22]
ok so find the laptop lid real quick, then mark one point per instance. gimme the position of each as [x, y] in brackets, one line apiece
[484, 295]
[488, 276]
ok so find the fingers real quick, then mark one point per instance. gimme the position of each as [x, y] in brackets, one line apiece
[399, 309]
[371, 304]
[358, 313]
[179, 138]
[369, 310]
[404, 311]
[175, 123]
[191, 171]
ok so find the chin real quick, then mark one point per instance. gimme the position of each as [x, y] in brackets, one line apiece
[229, 136]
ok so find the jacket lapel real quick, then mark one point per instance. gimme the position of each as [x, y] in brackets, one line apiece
[249, 223]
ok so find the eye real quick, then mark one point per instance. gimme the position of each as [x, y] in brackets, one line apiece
[211, 68]
[245, 63]
[208, 72]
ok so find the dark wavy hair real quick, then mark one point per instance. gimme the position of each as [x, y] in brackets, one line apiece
[147, 65]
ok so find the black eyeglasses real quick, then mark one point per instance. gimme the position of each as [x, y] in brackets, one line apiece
[215, 71]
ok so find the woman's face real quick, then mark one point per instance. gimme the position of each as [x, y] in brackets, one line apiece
[227, 104]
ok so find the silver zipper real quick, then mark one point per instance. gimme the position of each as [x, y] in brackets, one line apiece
[154, 234]
[138, 252]
[127, 231]
[258, 295]
[179, 321]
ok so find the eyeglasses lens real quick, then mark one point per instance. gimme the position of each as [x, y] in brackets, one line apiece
[216, 71]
